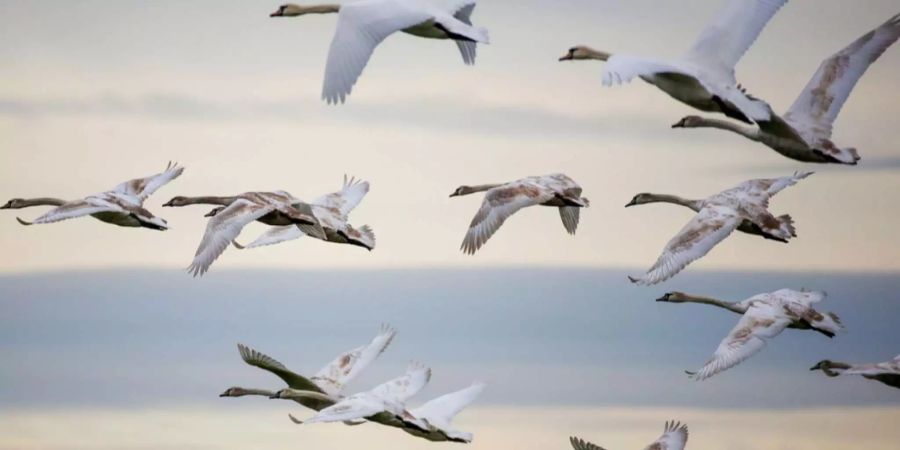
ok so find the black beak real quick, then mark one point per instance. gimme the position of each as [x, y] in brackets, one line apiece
[453, 195]
[566, 57]
[815, 367]
[6, 206]
[631, 203]
[679, 124]
[224, 394]
[276, 14]
[274, 396]
[210, 214]
[664, 298]
[168, 203]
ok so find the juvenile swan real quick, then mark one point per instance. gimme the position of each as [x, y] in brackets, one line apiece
[122, 206]
[332, 210]
[328, 381]
[388, 398]
[886, 372]
[362, 25]
[674, 437]
[503, 200]
[763, 317]
[803, 133]
[717, 216]
[438, 413]
[704, 77]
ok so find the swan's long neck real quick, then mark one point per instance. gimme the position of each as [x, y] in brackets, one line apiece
[686, 298]
[666, 198]
[479, 188]
[596, 54]
[209, 200]
[262, 392]
[835, 365]
[41, 201]
[748, 132]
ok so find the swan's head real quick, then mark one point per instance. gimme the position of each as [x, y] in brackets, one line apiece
[214, 211]
[673, 297]
[828, 367]
[15, 203]
[689, 122]
[462, 190]
[177, 201]
[234, 392]
[288, 10]
[641, 199]
[583, 52]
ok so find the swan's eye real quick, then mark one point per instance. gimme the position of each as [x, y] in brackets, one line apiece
[573, 50]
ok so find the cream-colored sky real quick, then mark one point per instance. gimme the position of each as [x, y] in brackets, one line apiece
[243, 427]
[98, 94]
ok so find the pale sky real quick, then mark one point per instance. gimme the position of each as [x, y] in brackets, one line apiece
[106, 91]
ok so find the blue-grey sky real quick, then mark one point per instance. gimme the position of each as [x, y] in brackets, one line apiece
[555, 336]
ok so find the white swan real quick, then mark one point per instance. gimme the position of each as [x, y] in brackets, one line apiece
[804, 132]
[704, 77]
[674, 437]
[439, 414]
[332, 211]
[764, 316]
[388, 398]
[122, 206]
[328, 381]
[363, 24]
[503, 200]
[887, 372]
[717, 216]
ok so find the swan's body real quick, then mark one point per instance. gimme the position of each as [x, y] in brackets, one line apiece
[674, 437]
[763, 317]
[503, 200]
[122, 206]
[388, 398]
[704, 77]
[226, 222]
[804, 132]
[438, 413]
[363, 24]
[328, 381]
[332, 211]
[717, 216]
[887, 372]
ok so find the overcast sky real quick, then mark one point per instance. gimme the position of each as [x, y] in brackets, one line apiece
[106, 91]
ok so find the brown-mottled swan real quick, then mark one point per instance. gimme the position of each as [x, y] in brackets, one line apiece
[674, 437]
[887, 372]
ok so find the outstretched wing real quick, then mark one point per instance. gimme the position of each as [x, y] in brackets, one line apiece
[223, 228]
[821, 100]
[674, 438]
[761, 190]
[620, 69]
[762, 321]
[732, 31]
[144, 187]
[442, 409]
[581, 444]
[708, 227]
[405, 386]
[349, 409]
[265, 362]
[333, 377]
[361, 26]
[463, 13]
[73, 209]
[500, 203]
[274, 235]
[347, 198]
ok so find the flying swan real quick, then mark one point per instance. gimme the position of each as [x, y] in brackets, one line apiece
[438, 413]
[704, 77]
[674, 437]
[363, 24]
[122, 206]
[804, 132]
[742, 207]
[886, 372]
[332, 210]
[328, 382]
[503, 200]
[763, 317]
[386, 399]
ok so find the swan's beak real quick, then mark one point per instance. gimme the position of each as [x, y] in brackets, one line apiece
[679, 124]
[567, 57]
[664, 298]
[276, 13]
[168, 203]
[274, 396]
[453, 195]
[210, 214]
[6, 206]
[224, 394]
[631, 203]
